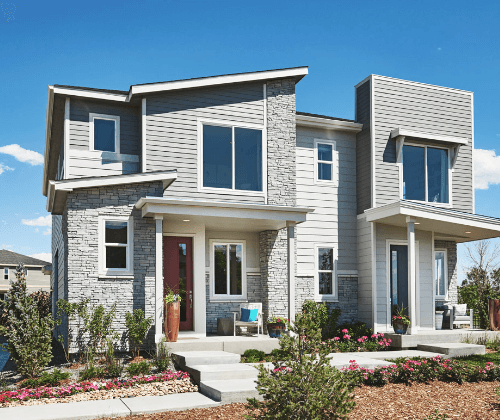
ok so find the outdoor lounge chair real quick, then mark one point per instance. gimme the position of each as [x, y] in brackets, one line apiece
[459, 316]
[258, 323]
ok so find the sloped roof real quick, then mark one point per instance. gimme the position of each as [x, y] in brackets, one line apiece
[12, 258]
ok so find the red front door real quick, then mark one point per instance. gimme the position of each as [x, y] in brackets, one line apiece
[178, 274]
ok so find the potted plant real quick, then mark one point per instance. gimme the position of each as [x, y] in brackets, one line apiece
[172, 314]
[276, 326]
[400, 320]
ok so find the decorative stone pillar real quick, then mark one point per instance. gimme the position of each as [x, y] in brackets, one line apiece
[158, 278]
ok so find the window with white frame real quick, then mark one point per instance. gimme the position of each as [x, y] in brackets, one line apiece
[228, 271]
[104, 132]
[426, 174]
[6, 273]
[440, 274]
[326, 276]
[115, 245]
[324, 154]
[232, 157]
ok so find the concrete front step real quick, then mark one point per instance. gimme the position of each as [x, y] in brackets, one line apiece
[230, 391]
[203, 373]
[194, 358]
[453, 349]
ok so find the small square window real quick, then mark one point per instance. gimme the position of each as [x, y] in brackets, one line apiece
[116, 246]
[324, 160]
[104, 133]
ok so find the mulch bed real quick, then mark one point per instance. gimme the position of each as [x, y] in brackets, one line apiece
[394, 401]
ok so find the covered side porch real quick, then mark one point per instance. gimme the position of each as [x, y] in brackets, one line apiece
[219, 255]
[415, 259]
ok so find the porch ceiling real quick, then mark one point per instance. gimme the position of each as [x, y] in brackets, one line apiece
[222, 215]
[445, 223]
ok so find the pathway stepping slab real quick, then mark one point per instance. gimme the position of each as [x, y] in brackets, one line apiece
[172, 402]
[230, 391]
[192, 358]
[222, 372]
[454, 349]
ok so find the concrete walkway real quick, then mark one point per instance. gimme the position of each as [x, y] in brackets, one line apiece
[119, 407]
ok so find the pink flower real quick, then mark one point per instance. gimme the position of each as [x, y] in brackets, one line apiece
[347, 337]
[336, 338]
[345, 330]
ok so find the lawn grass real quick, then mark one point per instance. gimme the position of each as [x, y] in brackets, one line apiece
[481, 359]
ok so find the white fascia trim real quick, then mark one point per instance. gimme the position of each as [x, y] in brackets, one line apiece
[90, 94]
[409, 82]
[435, 213]
[307, 121]
[48, 129]
[428, 136]
[218, 80]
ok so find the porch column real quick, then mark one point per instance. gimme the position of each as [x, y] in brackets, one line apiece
[159, 278]
[412, 275]
[290, 230]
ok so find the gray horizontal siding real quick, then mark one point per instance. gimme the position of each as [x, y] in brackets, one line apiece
[334, 218]
[363, 147]
[172, 132]
[425, 109]
[364, 255]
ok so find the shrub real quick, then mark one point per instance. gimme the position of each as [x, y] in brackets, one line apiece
[42, 301]
[92, 372]
[139, 368]
[113, 367]
[29, 336]
[46, 379]
[346, 342]
[162, 358]
[307, 386]
[138, 326]
[325, 321]
[356, 330]
[253, 356]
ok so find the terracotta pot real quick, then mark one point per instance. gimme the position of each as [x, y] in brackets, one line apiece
[275, 329]
[172, 320]
[494, 314]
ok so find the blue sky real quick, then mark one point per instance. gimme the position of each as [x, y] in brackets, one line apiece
[112, 45]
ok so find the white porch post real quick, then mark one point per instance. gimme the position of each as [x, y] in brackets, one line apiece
[412, 275]
[158, 278]
[290, 229]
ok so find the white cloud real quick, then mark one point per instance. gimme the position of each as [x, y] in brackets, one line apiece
[6, 246]
[48, 231]
[22, 154]
[486, 169]
[40, 221]
[4, 168]
[44, 256]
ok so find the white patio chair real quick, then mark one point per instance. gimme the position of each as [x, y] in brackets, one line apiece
[458, 316]
[258, 323]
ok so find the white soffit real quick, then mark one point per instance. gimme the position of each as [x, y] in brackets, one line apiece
[309, 121]
[401, 132]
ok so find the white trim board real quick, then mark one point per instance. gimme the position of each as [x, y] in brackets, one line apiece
[399, 131]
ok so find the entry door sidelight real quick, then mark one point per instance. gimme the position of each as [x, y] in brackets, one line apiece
[399, 276]
[178, 275]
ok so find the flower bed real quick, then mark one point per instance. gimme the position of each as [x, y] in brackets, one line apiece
[346, 343]
[180, 382]
[422, 370]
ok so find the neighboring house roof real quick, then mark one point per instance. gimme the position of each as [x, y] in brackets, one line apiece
[12, 259]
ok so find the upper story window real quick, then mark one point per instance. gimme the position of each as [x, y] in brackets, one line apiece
[6, 273]
[326, 278]
[440, 274]
[232, 158]
[228, 270]
[104, 132]
[324, 160]
[426, 174]
[115, 245]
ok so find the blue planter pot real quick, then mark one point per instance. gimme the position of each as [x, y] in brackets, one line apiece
[399, 327]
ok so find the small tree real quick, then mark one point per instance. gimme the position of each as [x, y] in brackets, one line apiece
[138, 326]
[29, 335]
[307, 386]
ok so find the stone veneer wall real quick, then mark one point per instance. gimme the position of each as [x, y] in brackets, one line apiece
[348, 296]
[225, 309]
[451, 247]
[83, 210]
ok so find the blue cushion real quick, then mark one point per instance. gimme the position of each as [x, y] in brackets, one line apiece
[249, 315]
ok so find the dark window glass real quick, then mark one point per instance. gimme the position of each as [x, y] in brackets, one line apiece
[104, 135]
[413, 173]
[217, 157]
[235, 269]
[325, 283]
[325, 171]
[325, 152]
[325, 258]
[437, 175]
[182, 279]
[116, 232]
[220, 269]
[116, 257]
[248, 159]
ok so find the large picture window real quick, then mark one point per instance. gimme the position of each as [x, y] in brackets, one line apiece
[440, 274]
[326, 279]
[232, 158]
[104, 132]
[228, 270]
[425, 174]
[116, 246]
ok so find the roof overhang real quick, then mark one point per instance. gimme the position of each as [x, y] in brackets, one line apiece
[326, 123]
[222, 215]
[402, 132]
[58, 190]
[445, 223]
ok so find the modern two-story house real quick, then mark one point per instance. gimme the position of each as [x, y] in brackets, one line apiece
[218, 188]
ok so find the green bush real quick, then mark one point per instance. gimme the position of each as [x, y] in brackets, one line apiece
[114, 368]
[138, 326]
[253, 356]
[324, 320]
[92, 372]
[279, 355]
[46, 379]
[139, 368]
[162, 359]
[29, 335]
[42, 300]
[356, 330]
[305, 387]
